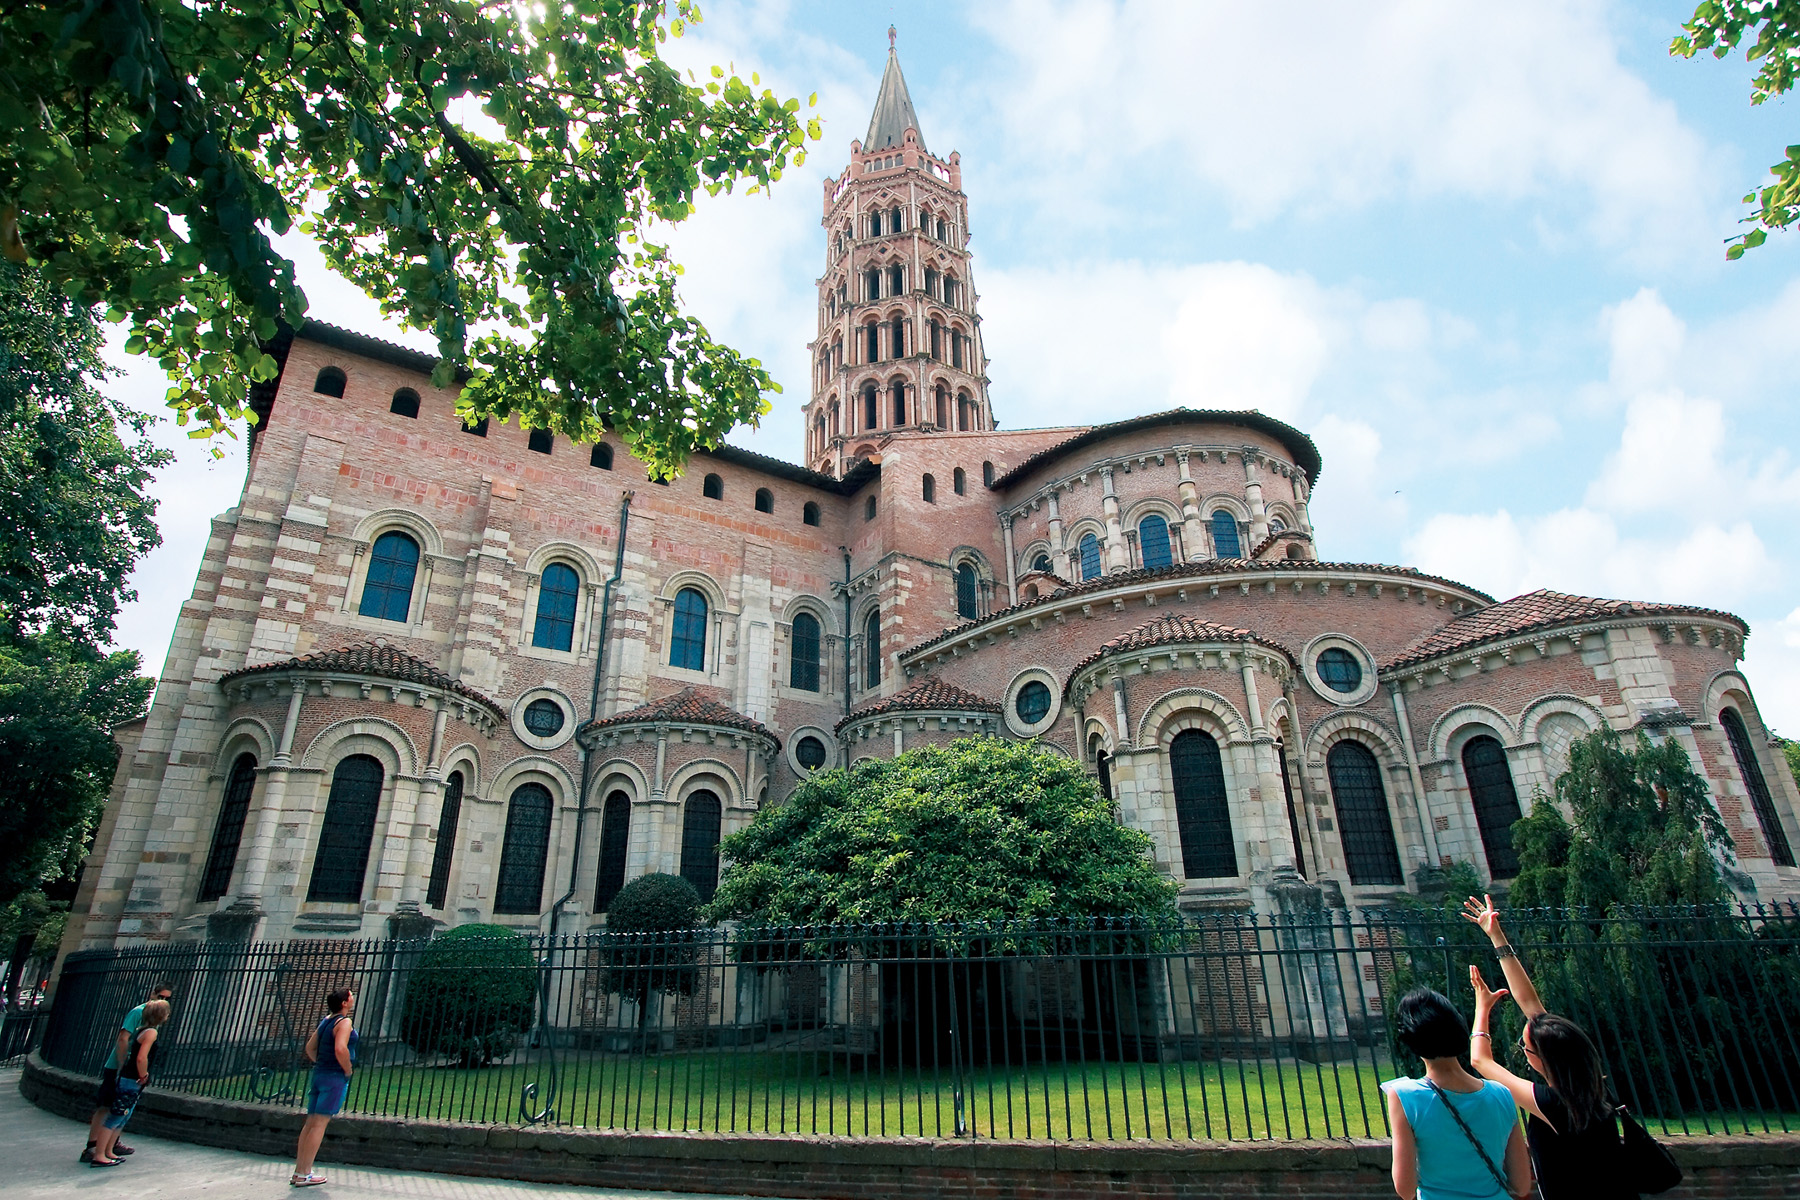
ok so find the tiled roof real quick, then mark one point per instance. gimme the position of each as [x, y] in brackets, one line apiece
[1174, 628]
[1289, 534]
[1194, 570]
[1542, 609]
[928, 695]
[368, 658]
[1306, 454]
[686, 707]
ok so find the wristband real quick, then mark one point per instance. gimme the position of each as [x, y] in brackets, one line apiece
[1481, 1033]
[1505, 950]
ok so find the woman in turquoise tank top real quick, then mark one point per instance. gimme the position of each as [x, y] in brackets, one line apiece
[1456, 1137]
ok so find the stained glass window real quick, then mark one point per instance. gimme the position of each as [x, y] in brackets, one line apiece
[229, 832]
[523, 854]
[1496, 802]
[687, 646]
[1202, 810]
[1153, 538]
[342, 858]
[558, 592]
[387, 591]
[1366, 829]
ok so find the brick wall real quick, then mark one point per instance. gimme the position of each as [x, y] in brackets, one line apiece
[1718, 1168]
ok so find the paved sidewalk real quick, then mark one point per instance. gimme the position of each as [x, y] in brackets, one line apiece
[39, 1151]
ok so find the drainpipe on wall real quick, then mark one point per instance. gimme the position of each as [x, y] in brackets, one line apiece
[1395, 687]
[846, 631]
[587, 755]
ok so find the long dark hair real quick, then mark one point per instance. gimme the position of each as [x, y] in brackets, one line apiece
[1571, 1066]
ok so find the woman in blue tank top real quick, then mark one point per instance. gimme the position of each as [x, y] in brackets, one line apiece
[1456, 1137]
[332, 1048]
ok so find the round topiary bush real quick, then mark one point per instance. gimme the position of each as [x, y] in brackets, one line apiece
[471, 995]
[654, 902]
[649, 948]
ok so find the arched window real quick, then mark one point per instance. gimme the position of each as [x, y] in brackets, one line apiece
[943, 407]
[963, 418]
[601, 456]
[687, 644]
[700, 843]
[937, 341]
[1090, 557]
[875, 224]
[478, 428]
[896, 280]
[872, 284]
[869, 509]
[928, 488]
[405, 403]
[387, 591]
[1496, 802]
[765, 500]
[1041, 563]
[959, 482]
[869, 413]
[558, 590]
[330, 382]
[229, 832]
[522, 855]
[1153, 538]
[896, 221]
[1225, 535]
[897, 391]
[803, 653]
[1277, 525]
[872, 332]
[1293, 812]
[1735, 732]
[342, 858]
[615, 843]
[1103, 763]
[1366, 829]
[443, 854]
[967, 593]
[712, 487]
[872, 649]
[1202, 812]
[809, 513]
[540, 441]
[956, 349]
[987, 473]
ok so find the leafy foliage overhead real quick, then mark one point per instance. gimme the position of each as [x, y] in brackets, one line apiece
[464, 162]
[1644, 831]
[73, 514]
[1773, 30]
[980, 830]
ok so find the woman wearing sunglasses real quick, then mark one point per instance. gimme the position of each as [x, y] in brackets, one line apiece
[1568, 1124]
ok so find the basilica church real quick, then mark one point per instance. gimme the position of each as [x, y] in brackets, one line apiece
[434, 673]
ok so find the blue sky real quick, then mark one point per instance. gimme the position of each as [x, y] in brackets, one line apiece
[1475, 250]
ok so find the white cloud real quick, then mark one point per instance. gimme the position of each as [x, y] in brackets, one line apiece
[1646, 340]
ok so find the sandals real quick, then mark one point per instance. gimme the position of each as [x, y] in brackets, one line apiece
[104, 1162]
[312, 1180]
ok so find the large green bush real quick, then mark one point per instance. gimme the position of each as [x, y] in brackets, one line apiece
[649, 946]
[471, 995]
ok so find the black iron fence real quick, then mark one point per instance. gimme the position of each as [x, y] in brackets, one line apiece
[1222, 1026]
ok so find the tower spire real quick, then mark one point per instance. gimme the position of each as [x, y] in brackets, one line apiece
[894, 113]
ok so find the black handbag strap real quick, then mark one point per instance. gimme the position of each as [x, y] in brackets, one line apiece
[1463, 1125]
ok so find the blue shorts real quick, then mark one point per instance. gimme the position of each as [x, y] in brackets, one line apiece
[326, 1095]
[124, 1102]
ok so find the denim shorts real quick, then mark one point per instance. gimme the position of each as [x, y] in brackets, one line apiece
[109, 1087]
[125, 1098]
[326, 1094]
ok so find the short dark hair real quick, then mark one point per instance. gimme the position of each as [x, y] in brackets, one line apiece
[336, 1000]
[1429, 1025]
[163, 987]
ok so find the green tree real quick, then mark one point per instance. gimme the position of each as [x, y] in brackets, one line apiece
[150, 148]
[651, 949]
[1773, 30]
[980, 830]
[31, 927]
[1790, 750]
[471, 996]
[73, 514]
[1643, 831]
[58, 705]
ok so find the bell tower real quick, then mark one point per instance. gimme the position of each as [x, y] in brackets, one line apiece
[899, 347]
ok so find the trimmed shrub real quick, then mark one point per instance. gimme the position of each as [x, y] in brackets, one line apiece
[471, 996]
[648, 948]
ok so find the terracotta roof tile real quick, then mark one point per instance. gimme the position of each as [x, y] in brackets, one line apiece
[1542, 609]
[1172, 629]
[689, 706]
[368, 658]
[928, 695]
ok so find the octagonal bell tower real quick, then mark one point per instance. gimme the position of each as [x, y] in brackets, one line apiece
[899, 347]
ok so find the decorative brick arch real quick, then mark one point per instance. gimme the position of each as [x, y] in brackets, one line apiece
[817, 608]
[689, 777]
[1190, 708]
[1168, 510]
[618, 775]
[245, 735]
[1353, 723]
[1093, 728]
[700, 581]
[466, 758]
[1446, 728]
[538, 768]
[1727, 687]
[1544, 706]
[1231, 504]
[406, 520]
[561, 551]
[379, 738]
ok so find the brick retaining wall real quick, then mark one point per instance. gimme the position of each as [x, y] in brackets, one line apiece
[1719, 1168]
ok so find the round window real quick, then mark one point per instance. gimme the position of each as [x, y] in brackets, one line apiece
[1339, 669]
[543, 718]
[810, 753]
[1033, 702]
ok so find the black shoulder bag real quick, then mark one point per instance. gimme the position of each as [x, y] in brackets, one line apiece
[1499, 1179]
[1645, 1163]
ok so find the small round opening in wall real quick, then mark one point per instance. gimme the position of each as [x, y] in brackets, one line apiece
[1033, 702]
[544, 718]
[1339, 670]
[810, 752]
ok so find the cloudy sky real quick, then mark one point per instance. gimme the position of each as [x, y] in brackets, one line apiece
[1475, 250]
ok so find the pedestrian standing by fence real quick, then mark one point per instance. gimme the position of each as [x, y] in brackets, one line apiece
[109, 1074]
[1568, 1122]
[134, 1075]
[332, 1049]
[1455, 1136]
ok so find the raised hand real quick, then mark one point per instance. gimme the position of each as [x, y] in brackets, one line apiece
[1483, 913]
[1484, 998]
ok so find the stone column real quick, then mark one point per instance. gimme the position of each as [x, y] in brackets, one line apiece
[1302, 493]
[1012, 567]
[1253, 496]
[1117, 559]
[1193, 542]
[431, 791]
[1427, 830]
[268, 817]
[1056, 531]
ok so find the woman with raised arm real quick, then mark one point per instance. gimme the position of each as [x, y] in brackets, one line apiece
[1568, 1124]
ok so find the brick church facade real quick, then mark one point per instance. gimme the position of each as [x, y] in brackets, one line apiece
[430, 673]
